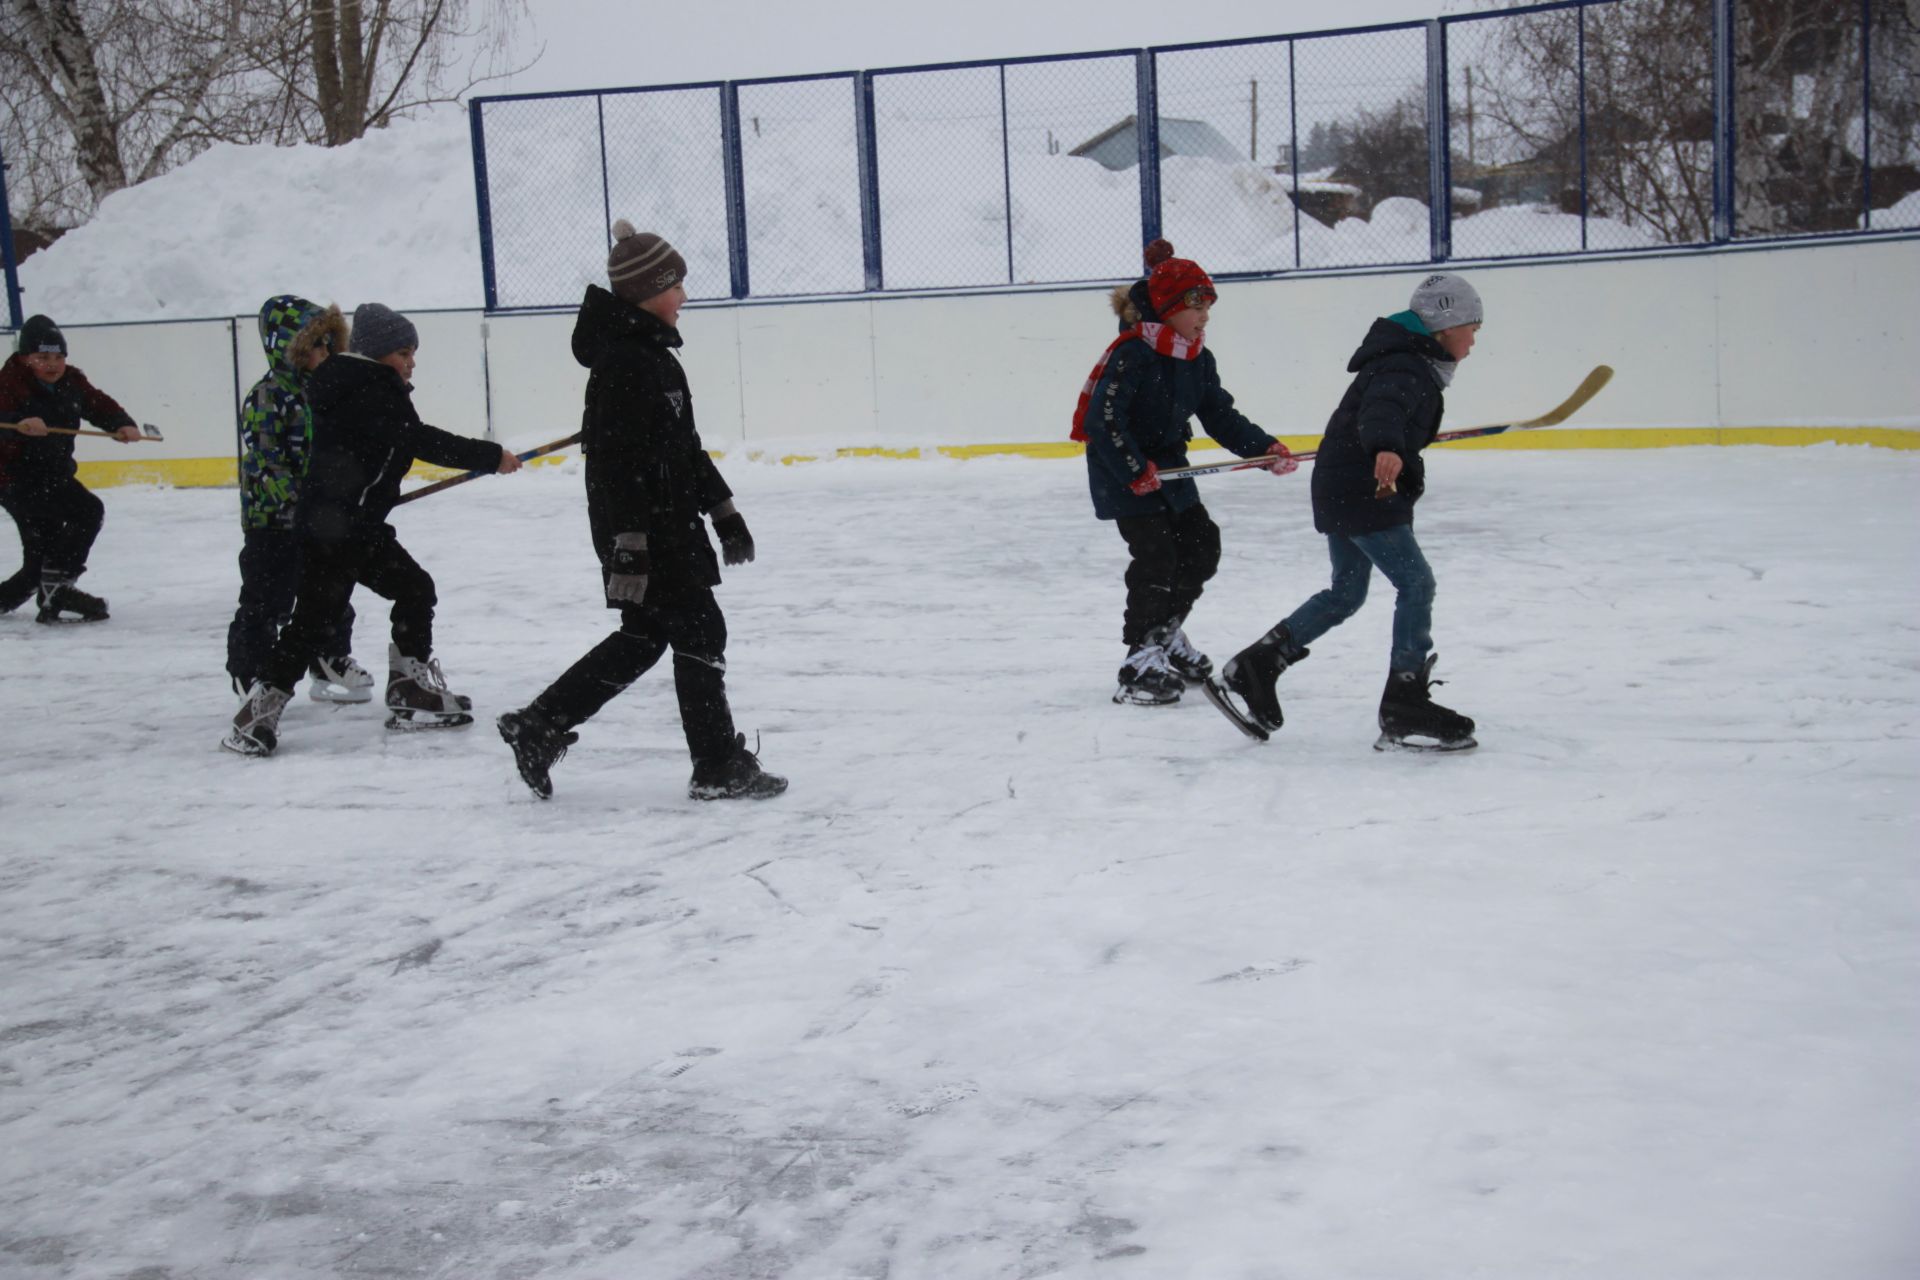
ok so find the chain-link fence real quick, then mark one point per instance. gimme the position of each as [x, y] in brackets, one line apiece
[1562, 128]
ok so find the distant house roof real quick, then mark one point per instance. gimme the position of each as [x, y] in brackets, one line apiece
[1118, 146]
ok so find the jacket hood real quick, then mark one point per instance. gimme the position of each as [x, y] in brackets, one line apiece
[605, 318]
[291, 326]
[1131, 303]
[1389, 337]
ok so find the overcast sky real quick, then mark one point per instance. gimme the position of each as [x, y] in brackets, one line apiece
[605, 43]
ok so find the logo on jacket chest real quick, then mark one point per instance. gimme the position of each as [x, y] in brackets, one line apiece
[678, 399]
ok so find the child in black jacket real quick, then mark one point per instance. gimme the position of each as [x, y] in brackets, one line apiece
[649, 483]
[366, 436]
[1366, 479]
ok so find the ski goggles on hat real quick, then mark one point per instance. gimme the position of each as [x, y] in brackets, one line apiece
[1198, 295]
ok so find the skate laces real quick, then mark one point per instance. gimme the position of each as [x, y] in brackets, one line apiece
[1178, 646]
[429, 676]
[1149, 657]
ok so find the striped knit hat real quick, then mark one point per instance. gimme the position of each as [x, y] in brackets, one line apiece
[642, 265]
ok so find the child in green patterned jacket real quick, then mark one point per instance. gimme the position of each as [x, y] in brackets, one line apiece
[276, 433]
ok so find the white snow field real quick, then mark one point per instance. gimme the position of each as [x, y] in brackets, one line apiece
[1013, 982]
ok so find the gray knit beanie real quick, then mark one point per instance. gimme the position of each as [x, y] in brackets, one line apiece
[642, 265]
[1444, 300]
[380, 331]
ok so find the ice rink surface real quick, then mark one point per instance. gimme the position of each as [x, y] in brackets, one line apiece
[1013, 982]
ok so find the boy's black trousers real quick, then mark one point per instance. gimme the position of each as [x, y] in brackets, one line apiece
[1174, 554]
[329, 571]
[269, 584]
[57, 522]
[686, 619]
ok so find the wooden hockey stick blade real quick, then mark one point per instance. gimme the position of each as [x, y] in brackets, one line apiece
[1590, 386]
[540, 451]
[147, 431]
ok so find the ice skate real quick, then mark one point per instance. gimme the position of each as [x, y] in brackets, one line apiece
[256, 726]
[1187, 661]
[418, 697]
[1146, 678]
[538, 744]
[16, 591]
[735, 776]
[61, 601]
[339, 679]
[1410, 720]
[1251, 676]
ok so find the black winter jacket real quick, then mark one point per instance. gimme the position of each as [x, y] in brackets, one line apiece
[40, 461]
[1393, 405]
[366, 436]
[1140, 413]
[647, 471]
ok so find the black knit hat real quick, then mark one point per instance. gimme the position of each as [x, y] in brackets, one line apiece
[642, 264]
[41, 334]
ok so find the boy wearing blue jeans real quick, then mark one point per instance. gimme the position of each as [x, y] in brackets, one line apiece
[1367, 476]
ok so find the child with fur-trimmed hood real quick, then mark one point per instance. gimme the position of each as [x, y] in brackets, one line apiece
[1134, 415]
[276, 442]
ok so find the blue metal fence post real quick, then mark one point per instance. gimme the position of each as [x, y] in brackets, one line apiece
[1146, 120]
[1724, 131]
[1866, 115]
[1439, 163]
[15, 315]
[1293, 144]
[869, 180]
[606, 179]
[1006, 171]
[1580, 62]
[736, 183]
[477, 128]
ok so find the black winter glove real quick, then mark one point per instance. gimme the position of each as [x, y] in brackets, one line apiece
[627, 569]
[736, 544]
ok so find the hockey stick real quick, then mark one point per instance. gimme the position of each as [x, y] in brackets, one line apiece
[451, 481]
[1589, 388]
[147, 431]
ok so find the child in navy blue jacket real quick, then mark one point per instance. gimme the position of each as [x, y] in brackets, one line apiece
[1134, 416]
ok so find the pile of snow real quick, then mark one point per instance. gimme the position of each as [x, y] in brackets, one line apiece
[390, 217]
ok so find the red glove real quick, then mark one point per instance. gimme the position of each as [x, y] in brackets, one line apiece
[1149, 481]
[1286, 466]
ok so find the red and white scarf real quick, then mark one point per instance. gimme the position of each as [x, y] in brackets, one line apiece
[1160, 337]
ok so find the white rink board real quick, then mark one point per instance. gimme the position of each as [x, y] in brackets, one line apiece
[1813, 336]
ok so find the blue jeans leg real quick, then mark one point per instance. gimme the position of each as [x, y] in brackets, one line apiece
[1327, 609]
[1396, 553]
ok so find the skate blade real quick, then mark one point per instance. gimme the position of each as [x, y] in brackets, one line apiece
[412, 721]
[242, 745]
[340, 694]
[1423, 746]
[1217, 695]
[1126, 697]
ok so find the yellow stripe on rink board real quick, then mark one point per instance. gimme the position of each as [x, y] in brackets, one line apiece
[203, 473]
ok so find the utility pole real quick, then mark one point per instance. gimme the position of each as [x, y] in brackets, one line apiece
[1471, 169]
[1253, 140]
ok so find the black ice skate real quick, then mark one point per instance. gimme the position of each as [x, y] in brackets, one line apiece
[1251, 676]
[735, 776]
[256, 726]
[16, 591]
[418, 697]
[1187, 661]
[339, 679]
[538, 744]
[61, 601]
[1410, 720]
[1147, 679]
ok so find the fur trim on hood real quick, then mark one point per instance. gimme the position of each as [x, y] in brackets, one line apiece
[328, 329]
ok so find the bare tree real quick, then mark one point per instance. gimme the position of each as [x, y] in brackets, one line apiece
[106, 93]
[1648, 110]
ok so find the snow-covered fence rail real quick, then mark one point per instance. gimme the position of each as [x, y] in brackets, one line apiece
[1573, 127]
[1784, 344]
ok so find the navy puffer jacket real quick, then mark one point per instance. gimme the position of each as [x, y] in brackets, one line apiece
[1140, 413]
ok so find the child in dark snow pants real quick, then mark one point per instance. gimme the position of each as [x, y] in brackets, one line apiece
[1134, 415]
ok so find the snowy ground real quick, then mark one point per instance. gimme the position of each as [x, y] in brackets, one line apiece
[1013, 982]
